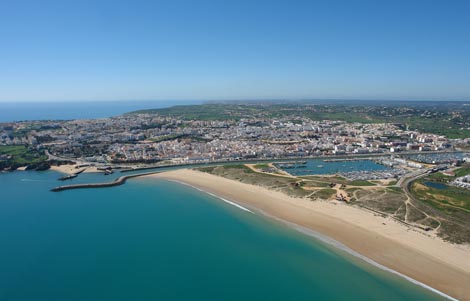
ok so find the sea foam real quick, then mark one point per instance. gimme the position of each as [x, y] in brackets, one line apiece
[330, 241]
[216, 196]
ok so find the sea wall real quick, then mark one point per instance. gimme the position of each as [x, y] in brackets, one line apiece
[119, 181]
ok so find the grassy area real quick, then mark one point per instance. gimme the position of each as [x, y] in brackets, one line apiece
[453, 204]
[218, 169]
[199, 112]
[314, 184]
[417, 117]
[291, 186]
[436, 125]
[339, 180]
[262, 166]
[453, 223]
[332, 179]
[240, 172]
[450, 200]
[361, 183]
[463, 171]
[351, 190]
[20, 155]
[383, 200]
[440, 177]
[324, 193]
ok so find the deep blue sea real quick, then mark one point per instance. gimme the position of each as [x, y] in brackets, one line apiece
[18, 111]
[152, 239]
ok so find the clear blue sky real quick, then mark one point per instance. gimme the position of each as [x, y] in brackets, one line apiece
[141, 49]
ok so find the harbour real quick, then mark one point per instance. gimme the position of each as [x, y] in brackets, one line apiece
[119, 181]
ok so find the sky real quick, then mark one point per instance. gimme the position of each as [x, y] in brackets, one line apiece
[226, 50]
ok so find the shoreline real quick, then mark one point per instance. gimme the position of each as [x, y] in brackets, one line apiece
[427, 261]
[329, 241]
[369, 156]
[69, 169]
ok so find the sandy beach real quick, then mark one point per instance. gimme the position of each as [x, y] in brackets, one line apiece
[429, 260]
[71, 169]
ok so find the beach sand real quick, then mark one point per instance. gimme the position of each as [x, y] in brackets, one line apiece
[70, 169]
[429, 260]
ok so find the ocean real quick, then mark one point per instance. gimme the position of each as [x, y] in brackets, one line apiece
[19, 111]
[153, 239]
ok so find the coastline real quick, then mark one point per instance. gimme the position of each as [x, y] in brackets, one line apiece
[414, 255]
[70, 169]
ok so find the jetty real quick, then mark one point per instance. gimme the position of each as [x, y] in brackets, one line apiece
[291, 164]
[119, 181]
[71, 176]
[348, 159]
[67, 177]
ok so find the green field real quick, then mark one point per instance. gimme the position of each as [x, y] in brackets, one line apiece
[463, 171]
[442, 121]
[450, 200]
[360, 183]
[20, 155]
[262, 165]
[339, 180]
[325, 193]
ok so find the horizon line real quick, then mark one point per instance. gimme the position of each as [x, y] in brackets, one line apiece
[215, 100]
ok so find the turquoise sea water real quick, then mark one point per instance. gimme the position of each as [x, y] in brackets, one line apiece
[157, 240]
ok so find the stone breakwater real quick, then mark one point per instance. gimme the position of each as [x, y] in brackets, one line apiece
[119, 181]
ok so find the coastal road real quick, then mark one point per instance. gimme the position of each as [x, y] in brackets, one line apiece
[407, 179]
[53, 157]
[65, 159]
[412, 201]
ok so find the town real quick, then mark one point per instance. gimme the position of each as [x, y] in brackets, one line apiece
[147, 137]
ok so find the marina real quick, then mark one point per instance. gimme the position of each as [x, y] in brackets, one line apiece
[290, 165]
[438, 158]
[333, 166]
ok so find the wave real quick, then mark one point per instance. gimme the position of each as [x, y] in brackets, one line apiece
[338, 245]
[330, 241]
[230, 202]
[216, 196]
